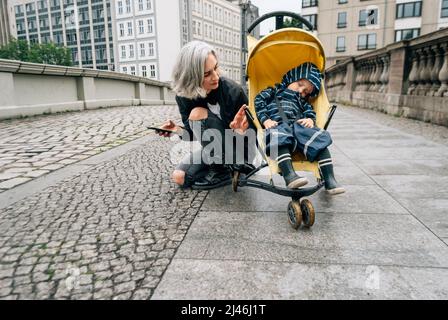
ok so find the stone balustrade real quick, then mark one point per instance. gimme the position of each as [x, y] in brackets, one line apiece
[28, 89]
[408, 78]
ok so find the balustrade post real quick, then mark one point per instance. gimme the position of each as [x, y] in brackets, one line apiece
[426, 73]
[413, 73]
[435, 70]
[443, 74]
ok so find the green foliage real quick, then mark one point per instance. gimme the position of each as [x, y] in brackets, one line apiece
[48, 53]
[291, 23]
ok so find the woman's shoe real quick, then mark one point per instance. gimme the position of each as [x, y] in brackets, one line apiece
[216, 177]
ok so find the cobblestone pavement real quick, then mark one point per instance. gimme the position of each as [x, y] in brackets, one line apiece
[35, 146]
[108, 233]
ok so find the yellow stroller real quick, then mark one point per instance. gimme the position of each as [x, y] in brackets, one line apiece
[268, 60]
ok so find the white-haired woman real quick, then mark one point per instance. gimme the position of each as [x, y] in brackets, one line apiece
[206, 100]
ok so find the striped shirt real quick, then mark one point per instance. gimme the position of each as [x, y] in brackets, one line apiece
[294, 106]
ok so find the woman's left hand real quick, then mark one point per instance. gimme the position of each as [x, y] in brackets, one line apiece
[240, 123]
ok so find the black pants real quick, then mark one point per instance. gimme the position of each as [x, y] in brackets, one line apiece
[198, 163]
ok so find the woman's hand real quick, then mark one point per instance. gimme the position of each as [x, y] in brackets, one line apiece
[307, 122]
[240, 123]
[269, 124]
[169, 125]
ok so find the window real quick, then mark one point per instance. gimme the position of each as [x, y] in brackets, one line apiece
[312, 18]
[148, 5]
[123, 52]
[444, 12]
[140, 5]
[150, 29]
[406, 34]
[125, 69]
[342, 1]
[18, 9]
[141, 27]
[368, 17]
[410, 9]
[152, 71]
[133, 70]
[309, 3]
[151, 49]
[340, 44]
[144, 73]
[129, 28]
[30, 7]
[367, 41]
[131, 51]
[121, 30]
[128, 6]
[342, 19]
[142, 50]
[120, 7]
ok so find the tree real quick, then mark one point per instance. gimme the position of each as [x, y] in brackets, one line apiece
[48, 53]
[292, 23]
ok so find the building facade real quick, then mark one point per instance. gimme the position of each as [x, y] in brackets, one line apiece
[4, 23]
[218, 22]
[150, 34]
[84, 26]
[352, 27]
[136, 38]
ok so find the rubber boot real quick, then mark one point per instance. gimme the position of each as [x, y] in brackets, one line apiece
[326, 169]
[292, 180]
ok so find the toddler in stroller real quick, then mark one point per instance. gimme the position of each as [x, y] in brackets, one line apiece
[289, 120]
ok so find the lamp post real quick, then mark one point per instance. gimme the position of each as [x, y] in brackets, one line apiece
[245, 5]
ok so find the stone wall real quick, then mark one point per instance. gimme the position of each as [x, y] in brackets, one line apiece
[408, 78]
[28, 89]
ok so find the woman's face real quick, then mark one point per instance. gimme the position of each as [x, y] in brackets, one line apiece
[211, 75]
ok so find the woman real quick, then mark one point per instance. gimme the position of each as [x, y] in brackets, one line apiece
[206, 100]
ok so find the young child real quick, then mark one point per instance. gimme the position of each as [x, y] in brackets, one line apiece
[297, 86]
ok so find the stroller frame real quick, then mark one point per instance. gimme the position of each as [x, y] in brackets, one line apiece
[299, 210]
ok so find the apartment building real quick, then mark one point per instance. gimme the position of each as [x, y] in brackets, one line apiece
[218, 22]
[150, 33]
[352, 27]
[136, 38]
[4, 23]
[84, 26]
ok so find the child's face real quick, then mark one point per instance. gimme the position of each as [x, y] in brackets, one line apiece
[302, 86]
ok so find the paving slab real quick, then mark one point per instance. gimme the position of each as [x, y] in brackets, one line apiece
[203, 279]
[357, 199]
[335, 238]
[429, 167]
[411, 186]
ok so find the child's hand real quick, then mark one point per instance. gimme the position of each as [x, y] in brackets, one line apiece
[268, 124]
[307, 123]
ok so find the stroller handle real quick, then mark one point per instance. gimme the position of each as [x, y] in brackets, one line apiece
[280, 14]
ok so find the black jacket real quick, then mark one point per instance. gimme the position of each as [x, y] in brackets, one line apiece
[229, 95]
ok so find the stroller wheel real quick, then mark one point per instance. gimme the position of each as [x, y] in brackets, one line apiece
[307, 212]
[294, 214]
[236, 177]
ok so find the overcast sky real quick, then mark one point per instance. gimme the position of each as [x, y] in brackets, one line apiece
[267, 6]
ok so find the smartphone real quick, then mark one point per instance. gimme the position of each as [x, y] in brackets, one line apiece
[158, 130]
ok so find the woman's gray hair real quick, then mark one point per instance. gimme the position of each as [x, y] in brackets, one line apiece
[188, 72]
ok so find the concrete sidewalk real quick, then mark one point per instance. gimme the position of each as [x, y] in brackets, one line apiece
[385, 238]
[113, 226]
